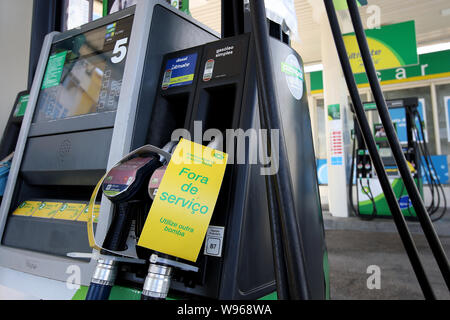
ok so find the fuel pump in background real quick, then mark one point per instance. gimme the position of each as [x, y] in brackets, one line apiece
[223, 94]
[410, 132]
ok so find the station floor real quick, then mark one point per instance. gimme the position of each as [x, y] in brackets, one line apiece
[354, 245]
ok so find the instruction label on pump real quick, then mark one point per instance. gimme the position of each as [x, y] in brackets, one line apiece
[294, 76]
[47, 209]
[54, 70]
[224, 59]
[183, 206]
[179, 71]
[85, 217]
[70, 211]
[27, 208]
[214, 241]
[21, 106]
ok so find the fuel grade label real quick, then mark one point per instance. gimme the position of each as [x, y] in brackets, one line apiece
[179, 71]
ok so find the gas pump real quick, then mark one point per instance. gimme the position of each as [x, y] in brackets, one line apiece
[212, 88]
[89, 105]
[371, 202]
[129, 80]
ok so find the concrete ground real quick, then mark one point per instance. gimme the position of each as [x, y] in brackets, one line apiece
[354, 245]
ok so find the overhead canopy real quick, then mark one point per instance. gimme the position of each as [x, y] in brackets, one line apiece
[432, 25]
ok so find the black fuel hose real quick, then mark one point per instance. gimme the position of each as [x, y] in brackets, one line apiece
[371, 198]
[399, 220]
[103, 280]
[350, 180]
[115, 240]
[269, 109]
[416, 199]
[431, 181]
[125, 208]
[430, 168]
[277, 242]
[98, 292]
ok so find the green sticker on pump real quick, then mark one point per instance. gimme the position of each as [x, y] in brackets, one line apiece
[370, 106]
[334, 112]
[294, 76]
[54, 70]
[22, 106]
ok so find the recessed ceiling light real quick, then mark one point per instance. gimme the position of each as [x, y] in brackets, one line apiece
[313, 68]
[193, 4]
[433, 48]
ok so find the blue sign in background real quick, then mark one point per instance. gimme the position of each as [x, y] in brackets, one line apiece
[404, 202]
[337, 161]
[322, 171]
[441, 166]
[182, 66]
[398, 116]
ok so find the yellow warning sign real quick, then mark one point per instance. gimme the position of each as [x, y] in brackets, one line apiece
[182, 209]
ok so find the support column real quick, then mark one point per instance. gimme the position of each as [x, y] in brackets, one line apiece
[313, 117]
[437, 134]
[336, 105]
[370, 114]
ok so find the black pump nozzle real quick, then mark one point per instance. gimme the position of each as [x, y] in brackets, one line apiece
[123, 186]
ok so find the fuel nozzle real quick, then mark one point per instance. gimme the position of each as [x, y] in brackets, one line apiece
[123, 187]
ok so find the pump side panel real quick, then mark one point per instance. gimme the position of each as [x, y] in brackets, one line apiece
[302, 162]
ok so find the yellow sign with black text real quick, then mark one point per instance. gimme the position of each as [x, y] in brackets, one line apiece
[182, 209]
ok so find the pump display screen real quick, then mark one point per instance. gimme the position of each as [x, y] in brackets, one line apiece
[84, 73]
[380, 134]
